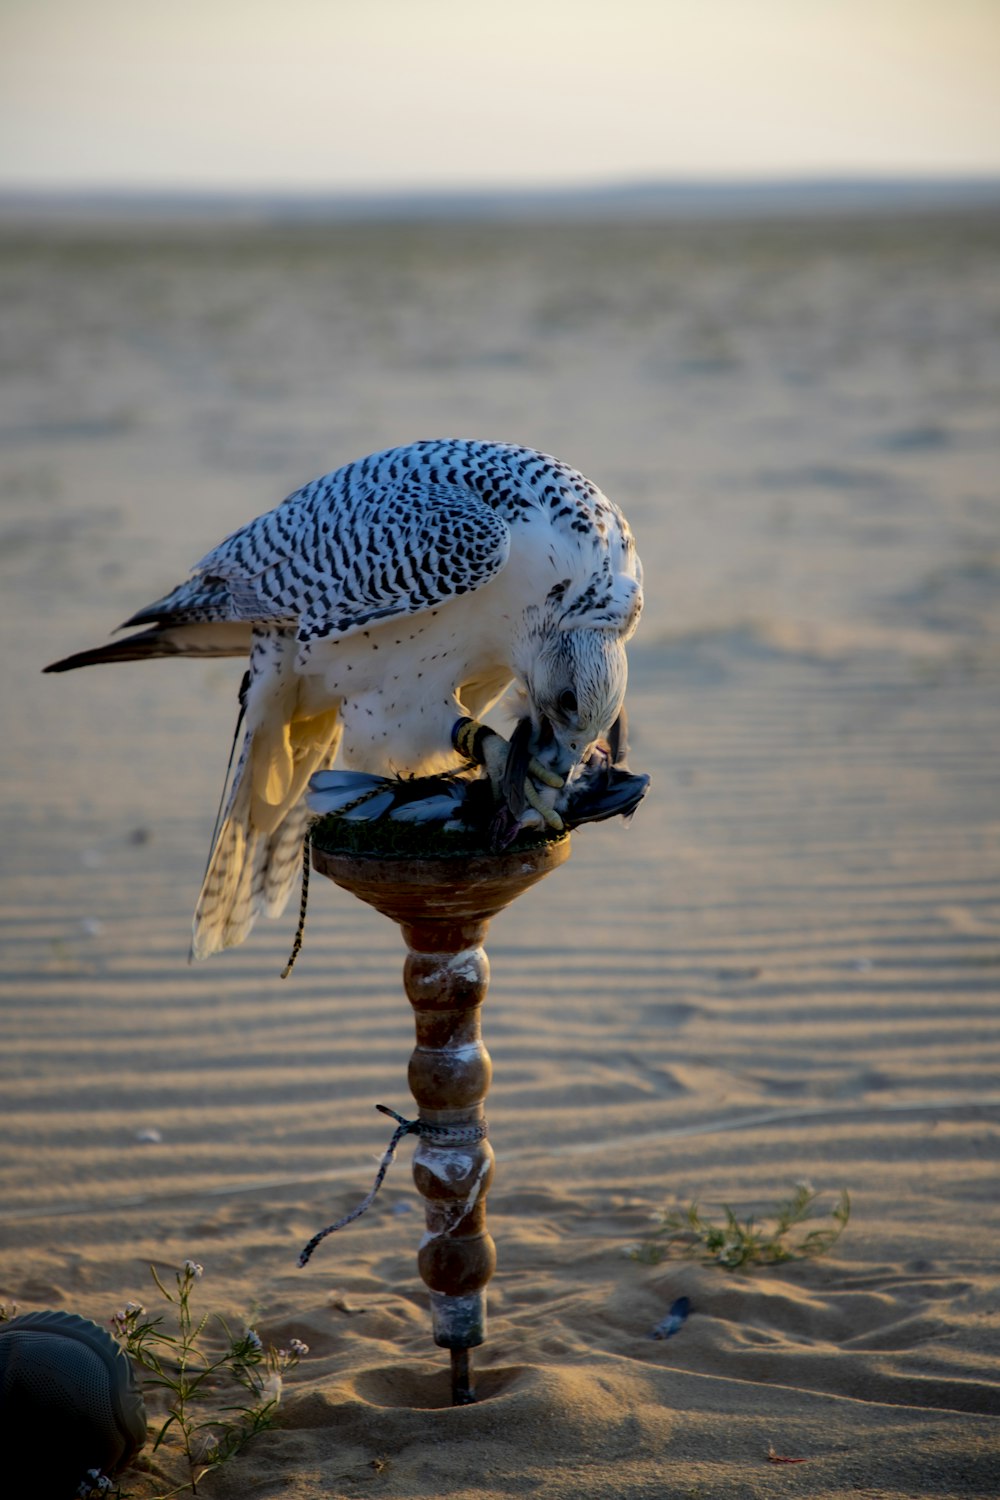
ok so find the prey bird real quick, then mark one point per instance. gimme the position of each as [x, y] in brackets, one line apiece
[601, 787]
[384, 608]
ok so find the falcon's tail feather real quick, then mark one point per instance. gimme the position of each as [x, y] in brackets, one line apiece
[229, 638]
[257, 853]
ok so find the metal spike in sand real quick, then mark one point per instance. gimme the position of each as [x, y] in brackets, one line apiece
[444, 905]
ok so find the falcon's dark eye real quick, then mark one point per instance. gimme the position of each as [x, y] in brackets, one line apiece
[567, 702]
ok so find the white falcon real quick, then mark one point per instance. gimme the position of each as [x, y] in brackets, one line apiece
[384, 608]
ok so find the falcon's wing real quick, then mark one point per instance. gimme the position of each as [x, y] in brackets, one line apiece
[332, 563]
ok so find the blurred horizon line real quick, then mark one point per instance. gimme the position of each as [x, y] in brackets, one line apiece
[642, 199]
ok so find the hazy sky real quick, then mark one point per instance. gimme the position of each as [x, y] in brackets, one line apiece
[389, 93]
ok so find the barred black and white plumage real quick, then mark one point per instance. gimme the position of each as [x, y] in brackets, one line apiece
[379, 604]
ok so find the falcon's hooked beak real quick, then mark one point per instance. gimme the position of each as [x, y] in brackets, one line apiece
[566, 753]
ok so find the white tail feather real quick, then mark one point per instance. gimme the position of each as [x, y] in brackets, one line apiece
[257, 854]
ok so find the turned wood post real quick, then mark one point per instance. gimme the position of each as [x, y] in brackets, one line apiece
[444, 906]
[445, 976]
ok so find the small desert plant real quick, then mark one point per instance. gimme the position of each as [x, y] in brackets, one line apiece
[734, 1243]
[97, 1486]
[221, 1388]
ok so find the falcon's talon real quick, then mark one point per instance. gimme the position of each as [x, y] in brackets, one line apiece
[545, 774]
[549, 814]
[484, 746]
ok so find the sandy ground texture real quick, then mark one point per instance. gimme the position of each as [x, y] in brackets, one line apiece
[786, 968]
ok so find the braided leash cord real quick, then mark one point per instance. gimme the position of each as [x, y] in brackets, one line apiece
[303, 905]
[446, 1135]
[348, 807]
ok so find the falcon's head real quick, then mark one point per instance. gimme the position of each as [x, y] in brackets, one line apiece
[575, 687]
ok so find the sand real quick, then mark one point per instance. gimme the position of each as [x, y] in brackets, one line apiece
[786, 968]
